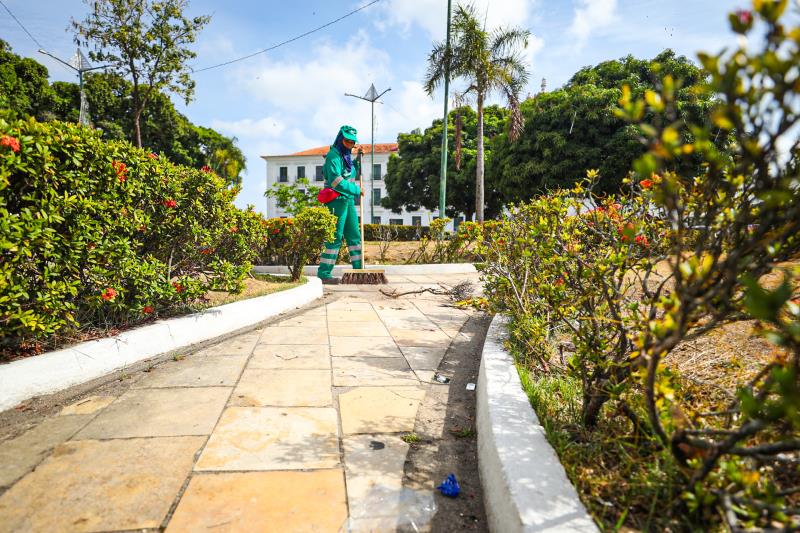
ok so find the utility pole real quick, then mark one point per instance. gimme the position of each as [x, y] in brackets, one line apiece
[79, 64]
[443, 169]
[371, 96]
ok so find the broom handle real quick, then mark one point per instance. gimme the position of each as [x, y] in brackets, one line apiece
[361, 213]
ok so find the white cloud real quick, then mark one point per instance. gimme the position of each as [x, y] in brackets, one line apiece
[431, 15]
[590, 16]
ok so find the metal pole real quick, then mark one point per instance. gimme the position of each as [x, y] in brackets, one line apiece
[372, 169]
[443, 170]
[81, 114]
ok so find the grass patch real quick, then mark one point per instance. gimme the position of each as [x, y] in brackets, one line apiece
[258, 285]
[410, 438]
[621, 478]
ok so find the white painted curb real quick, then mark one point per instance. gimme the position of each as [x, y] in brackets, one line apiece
[60, 369]
[395, 270]
[525, 487]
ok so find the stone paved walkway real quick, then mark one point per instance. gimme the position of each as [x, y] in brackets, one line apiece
[292, 427]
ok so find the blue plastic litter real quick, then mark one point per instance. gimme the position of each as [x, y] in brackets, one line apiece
[450, 486]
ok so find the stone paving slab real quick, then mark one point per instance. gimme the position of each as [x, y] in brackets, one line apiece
[209, 371]
[420, 337]
[304, 320]
[353, 316]
[239, 345]
[365, 371]
[273, 438]
[379, 409]
[263, 501]
[260, 387]
[87, 406]
[100, 486]
[423, 358]
[159, 413]
[374, 471]
[357, 329]
[18, 456]
[291, 356]
[364, 347]
[294, 335]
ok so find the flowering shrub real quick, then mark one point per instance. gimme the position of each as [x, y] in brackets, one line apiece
[295, 242]
[96, 233]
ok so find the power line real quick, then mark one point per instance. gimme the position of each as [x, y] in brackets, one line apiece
[306, 34]
[21, 25]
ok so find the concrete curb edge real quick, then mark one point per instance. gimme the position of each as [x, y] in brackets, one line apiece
[57, 370]
[524, 485]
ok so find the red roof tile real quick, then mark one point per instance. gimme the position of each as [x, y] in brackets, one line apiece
[383, 148]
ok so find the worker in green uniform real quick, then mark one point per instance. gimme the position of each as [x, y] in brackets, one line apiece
[340, 173]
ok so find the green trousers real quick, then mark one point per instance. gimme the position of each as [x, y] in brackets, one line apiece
[347, 227]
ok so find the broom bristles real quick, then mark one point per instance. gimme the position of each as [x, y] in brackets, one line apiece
[364, 277]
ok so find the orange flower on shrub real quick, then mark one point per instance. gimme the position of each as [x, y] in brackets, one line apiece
[642, 240]
[170, 203]
[234, 229]
[206, 251]
[11, 142]
[646, 183]
[178, 287]
[152, 155]
[148, 309]
[108, 294]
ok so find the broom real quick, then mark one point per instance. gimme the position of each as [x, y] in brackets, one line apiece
[362, 276]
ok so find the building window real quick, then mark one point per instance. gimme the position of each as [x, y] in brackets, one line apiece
[376, 196]
[301, 172]
[416, 221]
[318, 174]
[376, 172]
[303, 191]
[396, 221]
[283, 174]
[376, 220]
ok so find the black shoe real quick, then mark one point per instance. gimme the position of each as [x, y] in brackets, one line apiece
[330, 281]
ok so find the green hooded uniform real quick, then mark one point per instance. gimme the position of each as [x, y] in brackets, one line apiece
[338, 178]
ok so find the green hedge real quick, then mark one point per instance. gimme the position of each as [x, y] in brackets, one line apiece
[102, 234]
[379, 232]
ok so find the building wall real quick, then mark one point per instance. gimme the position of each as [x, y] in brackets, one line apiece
[381, 214]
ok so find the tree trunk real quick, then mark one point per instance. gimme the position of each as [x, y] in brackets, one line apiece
[137, 129]
[137, 113]
[479, 196]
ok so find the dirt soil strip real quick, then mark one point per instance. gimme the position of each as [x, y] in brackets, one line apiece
[448, 442]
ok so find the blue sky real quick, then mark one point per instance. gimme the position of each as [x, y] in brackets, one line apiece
[293, 98]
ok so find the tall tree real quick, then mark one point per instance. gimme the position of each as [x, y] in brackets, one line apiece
[412, 175]
[24, 89]
[487, 61]
[146, 41]
[572, 129]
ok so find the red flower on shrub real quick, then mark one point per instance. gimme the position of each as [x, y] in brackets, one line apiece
[11, 142]
[276, 231]
[178, 287]
[121, 169]
[744, 16]
[152, 155]
[148, 309]
[205, 168]
[560, 281]
[206, 251]
[170, 203]
[641, 240]
[646, 183]
[108, 295]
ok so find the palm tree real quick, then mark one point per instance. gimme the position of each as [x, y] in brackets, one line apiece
[487, 62]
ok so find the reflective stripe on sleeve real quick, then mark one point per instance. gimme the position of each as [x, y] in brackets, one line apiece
[336, 182]
[326, 261]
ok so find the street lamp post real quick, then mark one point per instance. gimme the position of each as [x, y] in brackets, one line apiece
[443, 170]
[79, 64]
[371, 96]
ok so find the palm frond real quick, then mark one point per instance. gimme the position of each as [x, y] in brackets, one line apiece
[434, 76]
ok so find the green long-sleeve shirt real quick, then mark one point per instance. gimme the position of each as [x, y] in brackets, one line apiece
[337, 178]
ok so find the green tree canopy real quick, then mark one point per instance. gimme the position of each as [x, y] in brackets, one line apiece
[412, 179]
[146, 41]
[25, 91]
[573, 129]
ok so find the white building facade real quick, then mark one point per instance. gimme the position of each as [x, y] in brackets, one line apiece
[308, 164]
